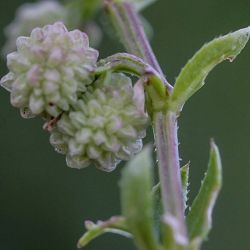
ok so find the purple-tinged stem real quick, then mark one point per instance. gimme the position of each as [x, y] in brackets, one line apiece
[165, 131]
[132, 34]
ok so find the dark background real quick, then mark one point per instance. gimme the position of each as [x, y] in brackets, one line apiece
[43, 204]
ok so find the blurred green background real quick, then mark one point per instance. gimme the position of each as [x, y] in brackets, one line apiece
[43, 204]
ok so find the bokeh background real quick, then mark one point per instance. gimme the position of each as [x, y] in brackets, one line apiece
[43, 204]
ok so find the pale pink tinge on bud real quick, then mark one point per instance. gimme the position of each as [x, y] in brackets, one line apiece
[33, 75]
[47, 72]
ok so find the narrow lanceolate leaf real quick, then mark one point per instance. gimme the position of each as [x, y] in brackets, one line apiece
[193, 75]
[199, 219]
[158, 210]
[139, 4]
[185, 183]
[137, 202]
[116, 224]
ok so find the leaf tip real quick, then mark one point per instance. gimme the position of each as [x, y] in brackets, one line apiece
[215, 160]
[245, 31]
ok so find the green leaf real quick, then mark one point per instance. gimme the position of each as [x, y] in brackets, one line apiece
[193, 75]
[139, 4]
[185, 183]
[199, 219]
[137, 202]
[116, 224]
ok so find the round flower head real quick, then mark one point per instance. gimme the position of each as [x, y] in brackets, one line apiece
[105, 127]
[31, 15]
[49, 69]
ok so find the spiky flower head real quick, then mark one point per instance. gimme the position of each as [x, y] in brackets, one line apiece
[105, 127]
[31, 15]
[49, 69]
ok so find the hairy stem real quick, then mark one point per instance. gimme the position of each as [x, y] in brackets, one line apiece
[165, 131]
[132, 35]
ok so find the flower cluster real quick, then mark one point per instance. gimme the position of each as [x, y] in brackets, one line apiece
[105, 126]
[31, 15]
[49, 69]
[92, 118]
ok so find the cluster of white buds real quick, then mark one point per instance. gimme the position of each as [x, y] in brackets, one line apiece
[49, 69]
[92, 119]
[31, 15]
[105, 126]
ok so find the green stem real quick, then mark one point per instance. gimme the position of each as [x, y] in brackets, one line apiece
[128, 63]
[115, 224]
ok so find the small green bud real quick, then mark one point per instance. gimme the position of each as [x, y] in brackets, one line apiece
[49, 69]
[105, 127]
